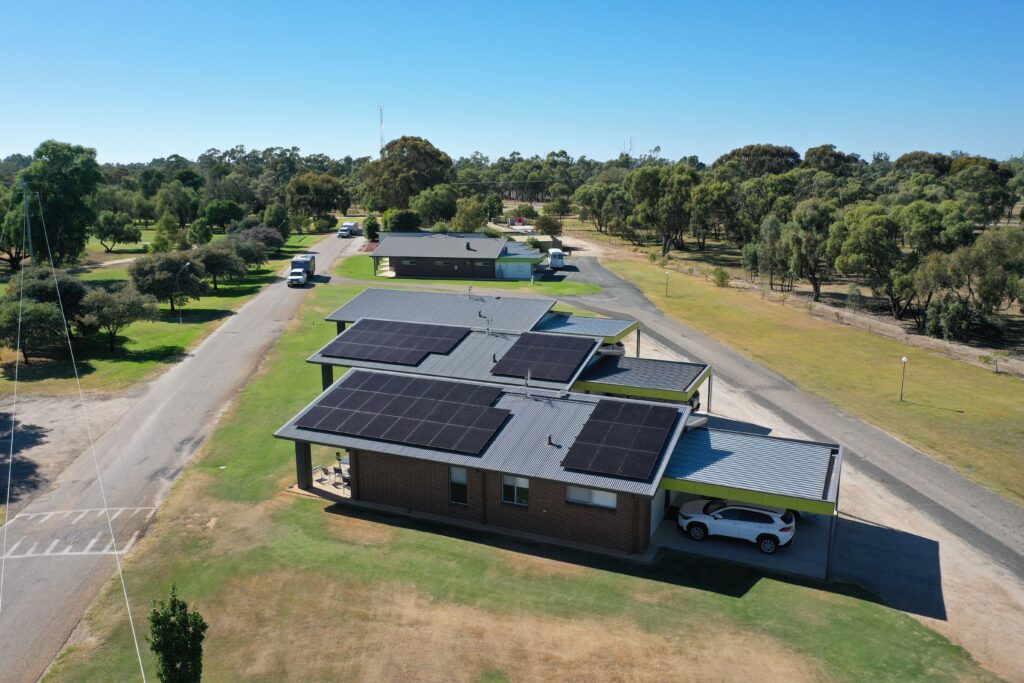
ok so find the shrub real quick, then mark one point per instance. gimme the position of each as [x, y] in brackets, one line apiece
[371, 226]
[400, 220]
[549, 225]
[243, 224]
[854, 299]
[526, 211]
[721, 277]
[267, 236]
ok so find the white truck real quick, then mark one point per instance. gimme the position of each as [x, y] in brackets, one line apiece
[303, 267]
[556, 258]
[348, 230]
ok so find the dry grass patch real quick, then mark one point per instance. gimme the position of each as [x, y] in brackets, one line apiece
[391, 632]
[352, 529]
[535, 565]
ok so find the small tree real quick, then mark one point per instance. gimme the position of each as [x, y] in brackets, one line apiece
[371, 226]
[220, 261]
[250, 251]
[549, 225]
[470, 214]
[113, 228]
[526, 211]
[168, 234]
[220, 212]
[268, 237]
[721, 277]
[41, 326]
[200, 231]
[112, 312]
[173, 277]
[276, 216]
[401, 220]
[176, 635]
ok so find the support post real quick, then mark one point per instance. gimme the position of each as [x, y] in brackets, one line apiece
[711, 385]
[637, 341]
[340, 326]
[326, 375]
[303, 465]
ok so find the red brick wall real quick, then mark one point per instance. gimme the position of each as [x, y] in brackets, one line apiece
[422, 486]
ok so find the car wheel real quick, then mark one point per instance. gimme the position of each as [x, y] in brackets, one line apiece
[768, 544]
[697, 532]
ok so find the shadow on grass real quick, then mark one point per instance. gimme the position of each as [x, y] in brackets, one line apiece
[876, 564]
[24, 473]
[43, 367]
[195, 315]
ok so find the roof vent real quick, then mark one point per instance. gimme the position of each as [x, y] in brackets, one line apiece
[468, 248]
[551, 440]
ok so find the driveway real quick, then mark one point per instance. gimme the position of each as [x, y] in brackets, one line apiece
[59, 550]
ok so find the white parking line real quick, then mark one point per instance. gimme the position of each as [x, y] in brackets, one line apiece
[32, 550]
[152, 511]
[52, 546]
[10, 551]
[99, 513]
[117, 514]
[46, 516]
[67, 548]
[131, 542]
[80, 515]
[106, 549]
[92, 542]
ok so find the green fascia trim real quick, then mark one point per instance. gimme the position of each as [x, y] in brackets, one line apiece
[701, 378]
[622, 335]
[818, 507]
[634, 392]
[512, 259]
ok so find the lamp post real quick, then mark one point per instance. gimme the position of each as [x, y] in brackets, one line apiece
[188, 264]
[666, 284]
[903, 376]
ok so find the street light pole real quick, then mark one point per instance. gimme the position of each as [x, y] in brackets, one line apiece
[903, 376]
[666, 284]
[187, 265]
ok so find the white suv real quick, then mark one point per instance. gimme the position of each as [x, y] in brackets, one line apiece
[769, 528]
[297, 277]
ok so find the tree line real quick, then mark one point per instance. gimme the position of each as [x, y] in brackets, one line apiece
[930, 233]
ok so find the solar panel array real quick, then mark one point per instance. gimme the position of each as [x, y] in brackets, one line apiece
[547, 357]
[387, 341]
[622, 439]
[450, 416]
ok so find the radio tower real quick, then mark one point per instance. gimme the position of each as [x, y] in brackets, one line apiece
[380, 107]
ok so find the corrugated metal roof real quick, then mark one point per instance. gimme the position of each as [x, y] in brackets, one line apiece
[521, 447]
[439, 246]
[521, 250]
[563, 323]
[788, 467]
[512, 314]
[472, 359]
[643, 373]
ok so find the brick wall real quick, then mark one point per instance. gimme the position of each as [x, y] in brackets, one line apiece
[422, 486]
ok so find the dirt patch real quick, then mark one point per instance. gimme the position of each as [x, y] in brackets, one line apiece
[391, 632]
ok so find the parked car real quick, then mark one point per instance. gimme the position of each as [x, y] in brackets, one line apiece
[769, 528]
[616, 349]
[297, 277]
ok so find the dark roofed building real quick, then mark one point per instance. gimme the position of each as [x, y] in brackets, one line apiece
[470, 256]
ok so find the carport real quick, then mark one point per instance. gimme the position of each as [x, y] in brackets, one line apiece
[761, 470]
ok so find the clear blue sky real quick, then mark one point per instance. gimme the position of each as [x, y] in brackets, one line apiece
[142, 80]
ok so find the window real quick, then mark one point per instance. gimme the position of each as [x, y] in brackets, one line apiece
[480, 264]
[755, 517]
[601, 499]
[408, 262]
[440, 263]
[457, 488]
[515, 490]
[733, 514]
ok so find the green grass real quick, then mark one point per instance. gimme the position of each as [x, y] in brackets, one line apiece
[361, 268]
[279, 578]
[967, 417]
[144, 347]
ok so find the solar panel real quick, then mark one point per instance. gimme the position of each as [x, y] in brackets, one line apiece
[451, 416]
[622, 439]
[398, 343]
[545, 357]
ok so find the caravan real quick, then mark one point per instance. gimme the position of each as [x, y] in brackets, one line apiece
[556, 259]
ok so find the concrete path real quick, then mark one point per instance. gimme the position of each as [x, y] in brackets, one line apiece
[981, 518]
[59, 549]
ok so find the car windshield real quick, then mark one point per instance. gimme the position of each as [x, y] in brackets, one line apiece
[298, 271]
[714, 506]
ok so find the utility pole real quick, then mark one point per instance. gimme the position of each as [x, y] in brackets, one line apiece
[28, 223]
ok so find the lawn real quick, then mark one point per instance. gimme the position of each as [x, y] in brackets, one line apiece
[967, 417]
[295, 589]
[96, 252]
[361, 268]
[145, 346]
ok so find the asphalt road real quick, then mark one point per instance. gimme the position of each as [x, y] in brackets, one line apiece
[59, 550]
[980, 517]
